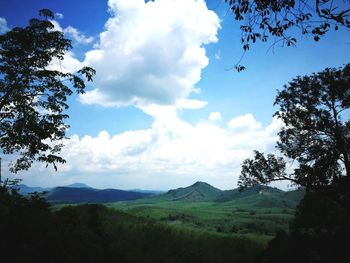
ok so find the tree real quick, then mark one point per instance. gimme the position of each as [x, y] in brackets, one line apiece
[32, 95]
[282, 19]
[316, 138]
[315, 135]
[319, 230]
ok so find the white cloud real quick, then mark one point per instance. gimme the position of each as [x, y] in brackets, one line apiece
[190, 104]
[245, 122]
[68, 64]
[3, 25]
[77, 36]
[170, 153]
[56, 25]
[215, 116]
[151, 53]
[74, 33]
[59, 15]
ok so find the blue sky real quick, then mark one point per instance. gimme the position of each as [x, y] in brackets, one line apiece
[164, 111]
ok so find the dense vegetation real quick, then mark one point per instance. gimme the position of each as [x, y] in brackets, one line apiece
[34, 92]
[257, 213]
[31, 232]
[319, 232]
[235, 227]
[315, 137]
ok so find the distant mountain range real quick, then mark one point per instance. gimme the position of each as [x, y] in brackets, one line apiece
[90, 195]
[24, 189]
[78, 185]
[199, 191]
[153, 192]
[82, 193]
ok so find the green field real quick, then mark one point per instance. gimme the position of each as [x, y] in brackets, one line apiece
[254, 214]
[198, 223]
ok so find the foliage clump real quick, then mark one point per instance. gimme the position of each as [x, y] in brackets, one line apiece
[31, 232]
[33, 91]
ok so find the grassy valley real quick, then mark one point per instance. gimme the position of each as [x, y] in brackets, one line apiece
[198, 223]
[94, 233]
[256, 213]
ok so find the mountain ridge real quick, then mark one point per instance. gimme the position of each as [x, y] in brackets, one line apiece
[202, 191]
[91, 195]
[78, 185]
[198, 191]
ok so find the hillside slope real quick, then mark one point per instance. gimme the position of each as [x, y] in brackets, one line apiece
[199, 191]
[229, 195]
[25, 189]
[90, 195]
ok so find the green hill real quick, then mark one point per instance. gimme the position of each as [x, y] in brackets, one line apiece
[293, 198]
[260, 211]
[199, 191]
[229, 195]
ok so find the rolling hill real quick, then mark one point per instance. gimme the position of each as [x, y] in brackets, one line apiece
[258, 211]
[25, 189]
[82, 193]
[199, 191]
[78, 185]
[261, 210]
[90, 195]
[228, 195]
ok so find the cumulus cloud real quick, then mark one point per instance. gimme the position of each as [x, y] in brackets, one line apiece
[214, 116]
[3, 25]
[245, 122]
[69, 63]
[73, 33]
[77, 35]
[170, 153]
[151, 53]
[59, 15]
[190, 104]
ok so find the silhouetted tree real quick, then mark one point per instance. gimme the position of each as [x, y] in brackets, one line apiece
[320, 230]
[281, 20]
[32, 94]
[315, 135]
[262, 170]
[25, 223]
